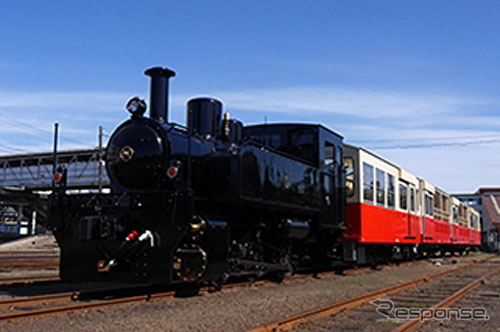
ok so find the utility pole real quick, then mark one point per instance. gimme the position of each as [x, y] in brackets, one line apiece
[100, 159]
[54, 162]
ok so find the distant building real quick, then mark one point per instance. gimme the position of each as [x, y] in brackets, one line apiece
[487, 202]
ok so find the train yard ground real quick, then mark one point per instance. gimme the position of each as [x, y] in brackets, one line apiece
[29, 259]
[301, 303]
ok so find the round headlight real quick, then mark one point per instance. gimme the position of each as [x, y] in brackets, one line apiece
[136, 106]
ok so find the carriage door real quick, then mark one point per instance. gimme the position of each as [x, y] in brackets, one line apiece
[413, 224]
[454, 222]
[405, 205]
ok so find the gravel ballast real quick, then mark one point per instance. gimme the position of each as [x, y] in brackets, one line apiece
[237, 309]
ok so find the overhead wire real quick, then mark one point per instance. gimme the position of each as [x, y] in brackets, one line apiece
[427, 138]
[6, 147]
[432, 145]
[39, 131]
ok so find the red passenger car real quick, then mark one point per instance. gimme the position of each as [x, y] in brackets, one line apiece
[392, 213]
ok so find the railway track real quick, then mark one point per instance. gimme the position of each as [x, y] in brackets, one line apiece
[21, 260]
[486, 296]
[438, 290]
[65, 301]
[9, 281]
[30, 252]
[468, 286]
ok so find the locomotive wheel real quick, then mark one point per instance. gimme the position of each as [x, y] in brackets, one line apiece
[188, 290]
[277, 277]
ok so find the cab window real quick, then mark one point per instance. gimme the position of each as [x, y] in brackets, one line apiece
[302, 143]
[296, 141]
[329, 154]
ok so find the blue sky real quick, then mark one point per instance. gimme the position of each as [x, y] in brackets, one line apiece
[416, 81]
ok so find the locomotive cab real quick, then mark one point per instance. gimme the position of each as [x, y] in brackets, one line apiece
[314, 145]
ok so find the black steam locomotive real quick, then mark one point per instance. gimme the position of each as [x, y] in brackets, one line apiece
[204, 202]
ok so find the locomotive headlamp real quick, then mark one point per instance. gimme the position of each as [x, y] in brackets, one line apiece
[136, 106]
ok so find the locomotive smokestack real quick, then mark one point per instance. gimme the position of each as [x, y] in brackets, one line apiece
[158, 95]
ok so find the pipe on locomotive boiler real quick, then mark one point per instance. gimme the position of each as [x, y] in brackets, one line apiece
[158, 94]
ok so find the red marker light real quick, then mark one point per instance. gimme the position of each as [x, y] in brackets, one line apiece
[172, 172]
[57, 177]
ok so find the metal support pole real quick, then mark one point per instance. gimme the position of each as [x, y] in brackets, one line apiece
[54, 163]
[33, 222]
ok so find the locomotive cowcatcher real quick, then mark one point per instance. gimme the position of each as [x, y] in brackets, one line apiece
[204, 202]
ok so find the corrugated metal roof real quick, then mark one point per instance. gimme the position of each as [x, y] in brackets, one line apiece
[492, 204]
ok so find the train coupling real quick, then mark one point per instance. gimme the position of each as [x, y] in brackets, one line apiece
[132, 244]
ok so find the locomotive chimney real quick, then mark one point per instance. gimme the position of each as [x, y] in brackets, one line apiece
[158, 95]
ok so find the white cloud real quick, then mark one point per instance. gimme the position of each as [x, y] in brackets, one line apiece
[369, 104]
[370, 117]
[100, 100]
[454, 169]
[28, 118]
[398, 119]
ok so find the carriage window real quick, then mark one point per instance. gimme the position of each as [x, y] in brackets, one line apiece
[403, 197]
[473, 221]
[437, 200]
[455, 214]
[329, 154]
[446, 205]
[349, 176]
[380, 187]
[429, 205]
[390, 191]
[367, 183]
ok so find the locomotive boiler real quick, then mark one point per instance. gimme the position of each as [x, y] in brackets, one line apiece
[205, 201]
